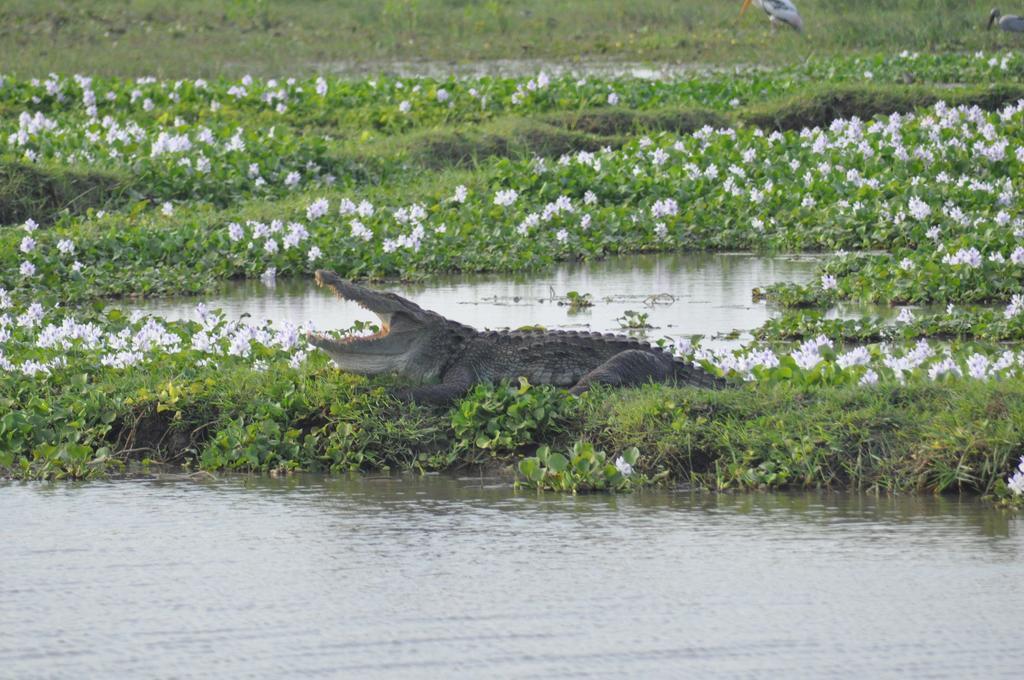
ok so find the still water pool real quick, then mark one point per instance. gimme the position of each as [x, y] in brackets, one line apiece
[682, 294]
[427, 577]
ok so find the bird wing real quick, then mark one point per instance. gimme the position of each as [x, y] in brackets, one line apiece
[783, 10]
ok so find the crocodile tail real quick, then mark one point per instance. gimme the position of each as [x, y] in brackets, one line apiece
[688, 374]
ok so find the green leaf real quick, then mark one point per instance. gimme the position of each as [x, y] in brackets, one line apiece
[557, 462]
[530, 468]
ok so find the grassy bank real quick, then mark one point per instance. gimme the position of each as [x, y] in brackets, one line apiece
[264, 37]
[920, 436]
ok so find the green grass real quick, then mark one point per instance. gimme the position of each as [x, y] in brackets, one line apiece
[923, 436]
[264, 37]
[820, 105]
[43, 192]
[550, 135]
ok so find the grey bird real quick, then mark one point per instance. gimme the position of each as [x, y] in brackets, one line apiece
[1007, 22]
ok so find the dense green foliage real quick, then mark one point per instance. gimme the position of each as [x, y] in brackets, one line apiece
[146, 187]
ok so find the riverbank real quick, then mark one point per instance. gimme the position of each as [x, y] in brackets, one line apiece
[957, 435]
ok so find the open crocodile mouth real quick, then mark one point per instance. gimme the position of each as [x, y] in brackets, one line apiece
[357, 335]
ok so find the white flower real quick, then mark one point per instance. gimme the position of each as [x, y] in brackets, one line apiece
[664, 207]
[859, 356]
[968, 256]
[30, 225]
[683, 347]
[27, 268]
[292, 179]
[562, 236]
[1016, 480]
[869, 378]
[828, 282]
[405, 106]
[977, 366]
[442, 94]
[1015, 306]
[314, 254]
[919, 210]
[613, 99]
[944, 367]
[359, 230]
[28, 244]
[321, 86]
[906, 264]
[317, 209]
[623, 467]
[167, 208]
[235, 232]
[505, 197]
[905, 316]
[461, 192]
[66, 246]
[270, 245]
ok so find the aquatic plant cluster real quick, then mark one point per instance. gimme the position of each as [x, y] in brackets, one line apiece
[917, 208]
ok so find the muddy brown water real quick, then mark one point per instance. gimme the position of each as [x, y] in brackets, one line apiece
[705, 294]
[427, 577]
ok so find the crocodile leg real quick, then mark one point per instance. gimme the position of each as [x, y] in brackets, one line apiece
[454, 385]
[436, 395]
[627, 368]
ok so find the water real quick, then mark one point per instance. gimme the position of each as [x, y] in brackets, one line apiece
[524, 68]
[438, 577]
[697, 294]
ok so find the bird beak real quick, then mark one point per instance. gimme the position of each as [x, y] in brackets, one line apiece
[746, 4]
[991, 20]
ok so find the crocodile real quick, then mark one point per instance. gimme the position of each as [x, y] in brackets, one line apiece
[445, 358]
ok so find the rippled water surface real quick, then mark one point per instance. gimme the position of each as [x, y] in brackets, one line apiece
[437, 577]
[685, 294]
